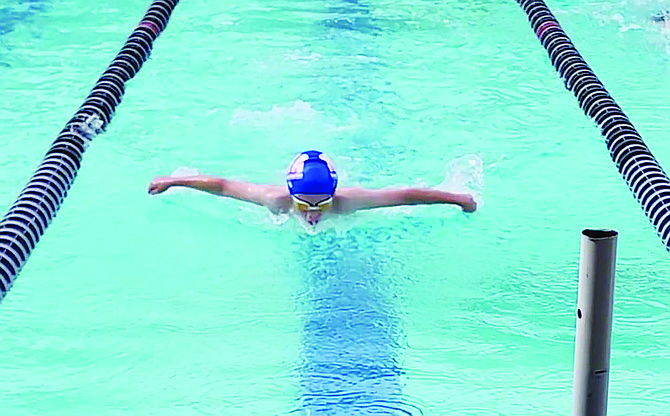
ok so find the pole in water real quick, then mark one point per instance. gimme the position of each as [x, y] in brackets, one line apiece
[594, 322]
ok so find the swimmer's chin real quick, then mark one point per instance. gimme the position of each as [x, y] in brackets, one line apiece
[311, 226]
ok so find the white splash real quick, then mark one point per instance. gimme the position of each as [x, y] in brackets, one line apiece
[299, 110]
[465, 175]
[182, 172]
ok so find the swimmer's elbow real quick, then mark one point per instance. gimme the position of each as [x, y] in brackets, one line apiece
[416, 196]
[219, 185]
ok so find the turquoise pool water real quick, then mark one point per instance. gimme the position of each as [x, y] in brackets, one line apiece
[187, 304]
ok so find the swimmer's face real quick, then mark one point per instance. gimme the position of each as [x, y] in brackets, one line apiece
[312, 207]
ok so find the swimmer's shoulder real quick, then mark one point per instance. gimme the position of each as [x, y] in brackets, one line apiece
[346, 200]
[277, 199]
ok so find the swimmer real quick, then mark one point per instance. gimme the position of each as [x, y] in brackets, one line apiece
[311, 191]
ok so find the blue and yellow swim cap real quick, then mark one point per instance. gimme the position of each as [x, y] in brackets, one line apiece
[311, 173]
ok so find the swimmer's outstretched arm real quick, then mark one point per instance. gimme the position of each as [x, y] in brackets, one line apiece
[353, 199]
[274, 197]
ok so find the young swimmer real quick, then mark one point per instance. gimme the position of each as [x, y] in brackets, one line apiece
[311, 191]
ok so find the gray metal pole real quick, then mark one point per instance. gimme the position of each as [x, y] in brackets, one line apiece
[594, 322]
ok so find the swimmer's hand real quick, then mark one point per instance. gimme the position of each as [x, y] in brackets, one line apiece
[160, 184]
[469, 204]
[203, 183]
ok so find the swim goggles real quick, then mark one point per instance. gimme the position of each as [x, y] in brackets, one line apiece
[304, 206]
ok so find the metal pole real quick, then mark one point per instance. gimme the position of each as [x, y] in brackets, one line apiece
[594, 322]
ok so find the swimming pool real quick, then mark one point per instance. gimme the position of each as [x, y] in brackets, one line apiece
[189, 304]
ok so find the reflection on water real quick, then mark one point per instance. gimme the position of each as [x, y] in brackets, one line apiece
[352, 15]
[350, 338]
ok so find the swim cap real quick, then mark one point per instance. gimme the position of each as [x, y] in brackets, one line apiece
[311, 173]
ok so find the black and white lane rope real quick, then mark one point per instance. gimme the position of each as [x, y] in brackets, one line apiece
[38, 202]
[635, 162]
